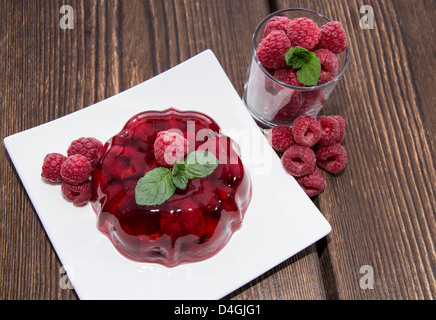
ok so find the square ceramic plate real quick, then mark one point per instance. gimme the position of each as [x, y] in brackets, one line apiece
[280, 221]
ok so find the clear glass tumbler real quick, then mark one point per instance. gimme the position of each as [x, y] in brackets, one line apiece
[272, 102]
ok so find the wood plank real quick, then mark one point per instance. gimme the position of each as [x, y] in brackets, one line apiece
[33, 92]
[114, 45]
[382, 207]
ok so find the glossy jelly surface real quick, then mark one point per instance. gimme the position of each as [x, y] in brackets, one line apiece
[194, 224]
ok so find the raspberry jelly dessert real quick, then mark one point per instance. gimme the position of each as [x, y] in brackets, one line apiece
[195, 223]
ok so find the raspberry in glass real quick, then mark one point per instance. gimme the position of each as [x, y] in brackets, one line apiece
[333, 37]
[278, 23]
[329, 65]
[303, 32]
[288, 75]
[271, 51]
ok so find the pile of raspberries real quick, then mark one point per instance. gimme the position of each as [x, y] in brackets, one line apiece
[309, 144]
[74, 170]
[282, 34]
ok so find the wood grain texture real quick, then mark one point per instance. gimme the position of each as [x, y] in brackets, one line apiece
[47, 72]
[382, 207]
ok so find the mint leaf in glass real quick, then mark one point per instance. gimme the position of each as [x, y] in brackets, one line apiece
[307, 63]
[155, 187]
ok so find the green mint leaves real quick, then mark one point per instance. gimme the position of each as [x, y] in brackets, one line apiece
[200, 164]
[155, 187]
[307, 63]
[158, 185]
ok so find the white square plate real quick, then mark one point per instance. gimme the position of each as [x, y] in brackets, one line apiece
[280, 221]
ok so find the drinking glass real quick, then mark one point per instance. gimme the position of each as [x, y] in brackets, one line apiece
[272, 102]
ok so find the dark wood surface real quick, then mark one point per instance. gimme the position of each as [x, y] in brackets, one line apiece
[381, 208]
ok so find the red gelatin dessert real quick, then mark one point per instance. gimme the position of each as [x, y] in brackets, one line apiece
[195, 223]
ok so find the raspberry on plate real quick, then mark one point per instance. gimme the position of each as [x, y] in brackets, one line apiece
[169, 148]
[276, 24]
[51, 168]
[299, 161]
[271, 51]
[280, 138]
[329, 65]
[313, 183]
[306, 131]
[303, 32]
[333, 37]
[333, 130]
[78, 194]
[332, 159]
[76, 169]
[91, 148]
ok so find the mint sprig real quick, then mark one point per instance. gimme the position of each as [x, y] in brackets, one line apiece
[159, 184]
[200, 164]
[307, 63]
[155, 187]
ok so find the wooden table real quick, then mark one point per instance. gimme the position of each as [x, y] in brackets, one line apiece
[381, 208]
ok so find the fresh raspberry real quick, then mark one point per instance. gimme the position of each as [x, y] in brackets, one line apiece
[91, 148]
[303, 32]
[313, 183]
[289, 111]
[271, 51]
[76, 169]
[280, 138]
[341, 122]
[299, 161]
[312, 101]
[169, 148]
[277, 23]
[78, 194]
[333, 37]
[51, 168]
[332, 159]
[306, 131]
[329, 65]
[288, 75]
[333, 130]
